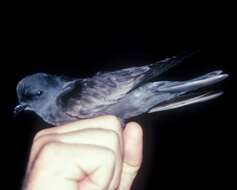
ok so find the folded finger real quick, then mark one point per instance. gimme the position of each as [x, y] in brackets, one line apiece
[98, 137]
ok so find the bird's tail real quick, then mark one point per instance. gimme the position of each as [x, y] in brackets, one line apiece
[166, 95]
[182, 93]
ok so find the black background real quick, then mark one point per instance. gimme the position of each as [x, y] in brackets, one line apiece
[187, 147]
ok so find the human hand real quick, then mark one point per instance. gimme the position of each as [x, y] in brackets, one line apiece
[91, 154]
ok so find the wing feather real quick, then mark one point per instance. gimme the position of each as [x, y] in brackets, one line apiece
[88, 97]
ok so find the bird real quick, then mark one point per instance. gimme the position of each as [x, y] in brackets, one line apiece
[125, 93]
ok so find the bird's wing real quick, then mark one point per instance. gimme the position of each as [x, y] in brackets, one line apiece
[89, 96]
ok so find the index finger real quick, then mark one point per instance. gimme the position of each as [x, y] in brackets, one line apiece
[102, 122]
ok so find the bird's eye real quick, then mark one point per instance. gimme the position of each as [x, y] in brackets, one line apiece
[40, 92]
[29, 95]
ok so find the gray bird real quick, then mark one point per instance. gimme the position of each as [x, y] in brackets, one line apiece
[125, 93]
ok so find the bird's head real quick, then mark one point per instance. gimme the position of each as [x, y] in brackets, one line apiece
[35, 92]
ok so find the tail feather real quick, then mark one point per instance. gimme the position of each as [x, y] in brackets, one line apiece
[194, 84]
[197, 99]
[165, 95]
[179, 91]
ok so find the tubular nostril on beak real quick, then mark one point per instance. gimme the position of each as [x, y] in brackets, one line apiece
[18, 109]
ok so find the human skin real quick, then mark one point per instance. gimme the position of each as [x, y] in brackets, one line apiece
[91, 154]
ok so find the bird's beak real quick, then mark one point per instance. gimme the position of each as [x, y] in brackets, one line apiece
[18, 109]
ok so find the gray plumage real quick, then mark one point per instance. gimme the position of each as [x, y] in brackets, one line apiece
[125, 93]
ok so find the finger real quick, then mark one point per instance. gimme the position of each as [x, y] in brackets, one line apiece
[133, 147]
[76, 168]
[98, 137]
[103, 122]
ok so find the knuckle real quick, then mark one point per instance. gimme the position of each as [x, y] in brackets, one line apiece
[40, 134]
[114, 121]
[50, 150]
[112, 118]
[131, 169]
[114, 137]
[42, 140]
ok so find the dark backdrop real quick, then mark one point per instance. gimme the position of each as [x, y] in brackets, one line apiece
[186, 147]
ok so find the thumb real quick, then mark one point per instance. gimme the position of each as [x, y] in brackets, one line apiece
[133, 146]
